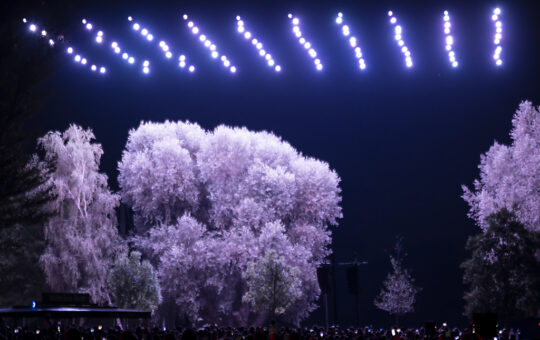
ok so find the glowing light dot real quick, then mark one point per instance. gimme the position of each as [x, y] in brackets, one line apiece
[307, 45]
[182, 57]
[190, 24]
[83, 61]
[237, 17]
[233, 69]
[247, 35]
[144, 31]
[114, 44]
[289, 16]
[88, 26]
[100, 33]
[24, 20]
[77, 58]
[498, 24]
[136, 26]
[212, 47]
[271, 62]
[131, 60]
[70, 50]
[240, 23]
[262, 52]
[254, 41]
[195, 30]
[295, 21]
[339, 20]
[185, 16]
[33, 27]
[214, 54]
[149, 37]
[146, 70]
[117, 50]
[401, 43]
[168, 54]
[44, 33]
[146, 63]
[390, 13]
[259, 46]
[182, 64]
[93, 67]
[102, 70]
[317, 61]
[393, 20]
[202, 37]
[99, 39]
[130, 18]
[277, 68]
[268, 56]
[207, 43]
[124, 56]
[498, 62]
[319, 67]
[302, 41]
[449, 40]
[497, 11]
[51, 42]
[226, 63]
[240, 29]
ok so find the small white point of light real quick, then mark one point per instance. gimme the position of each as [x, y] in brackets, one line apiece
[25, 21]
[51, 42]
[102, 70]
[277, 68]
[88, 26]
[214, 54]
[390, 13]
[145, 70]
[99, 39]
[168, 54]
[289, 16]
[83, 61]
[117, 50]
[77, 58]
[319, 67]
[191, 68]
[247, 35]
[144, 31]
[149, 37]
[33, 27]
[182, 57]
[131, 60]
[497, 11]
[125, 55]
[136, 26]
[202, 37]
[295, 21]
[93, 67]
[114, 44]
[44, 33]
[195, 30]
[182, 64]
[130, 18]
[185, 16]
[498, 62]
[69, 50]
[190, 24]
[393, 20]
[233, 69]
[146, 63]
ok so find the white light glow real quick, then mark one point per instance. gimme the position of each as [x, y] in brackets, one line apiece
[195, 30]
[398, 36]
[136, 26]
[185, 16]
[83, 61]
[146, 70]
[149, 37]
[168, 54]
[144, 31]
[117, 50]
[146, 63]
[51, 42]
[77, 58]
[130, 18]
[191, 68]
[182, 64]
[99, 39]
[125, 56]
[93, 67]
[89, 26]
[102, 70]
[233, 69]
[498, 36]
[32, 28]
[306, 44]
[69, 50]
[131, 60]
[43, 33]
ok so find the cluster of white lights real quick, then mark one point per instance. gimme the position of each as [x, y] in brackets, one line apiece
[81, 60]
[498, 36]
[241, 29]
[397, 36]
[70, 50]
[307, 45]
[162, 45]
[352, 41]
[449, 39]
[115, 47]
[209, 45]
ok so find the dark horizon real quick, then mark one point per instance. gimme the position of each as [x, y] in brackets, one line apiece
[402, 140]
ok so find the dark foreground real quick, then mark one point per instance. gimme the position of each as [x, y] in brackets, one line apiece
[255, 333]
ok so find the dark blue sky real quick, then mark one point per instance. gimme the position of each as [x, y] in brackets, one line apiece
[402, 140]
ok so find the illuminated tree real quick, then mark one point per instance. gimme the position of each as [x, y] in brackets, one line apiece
[235, 185]
[503, 272]
[510, 175]
[398, 294]
[81, 239]
[273, 285]
[133, 283]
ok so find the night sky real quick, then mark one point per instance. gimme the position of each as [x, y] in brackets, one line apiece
[402, 140]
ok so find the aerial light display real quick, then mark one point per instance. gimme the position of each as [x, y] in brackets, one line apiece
[398, 31]
[208, 44]
[497, 37]
[304, 42]
[248, 36]
[449, 39]
[353, 43]
[162, 45]
[78, 58]
[100, 39]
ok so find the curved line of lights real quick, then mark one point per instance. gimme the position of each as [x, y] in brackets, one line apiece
[78, 58]
[241, 29]
[498, 36]
[401, 43]
[100, 39]
[307, 45]
[162, 44]
[209, 45]
[352, 41]
[449, 39]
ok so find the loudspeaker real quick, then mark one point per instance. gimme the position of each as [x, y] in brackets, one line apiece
[323, 276]
[485, 324]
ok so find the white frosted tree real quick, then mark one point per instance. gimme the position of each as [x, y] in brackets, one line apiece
[133, 283]
[273, 285]
[236, 185]
[81, 238]
[510, 175]
[398, 294]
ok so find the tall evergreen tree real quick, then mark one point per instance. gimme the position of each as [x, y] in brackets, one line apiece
[503, 272]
